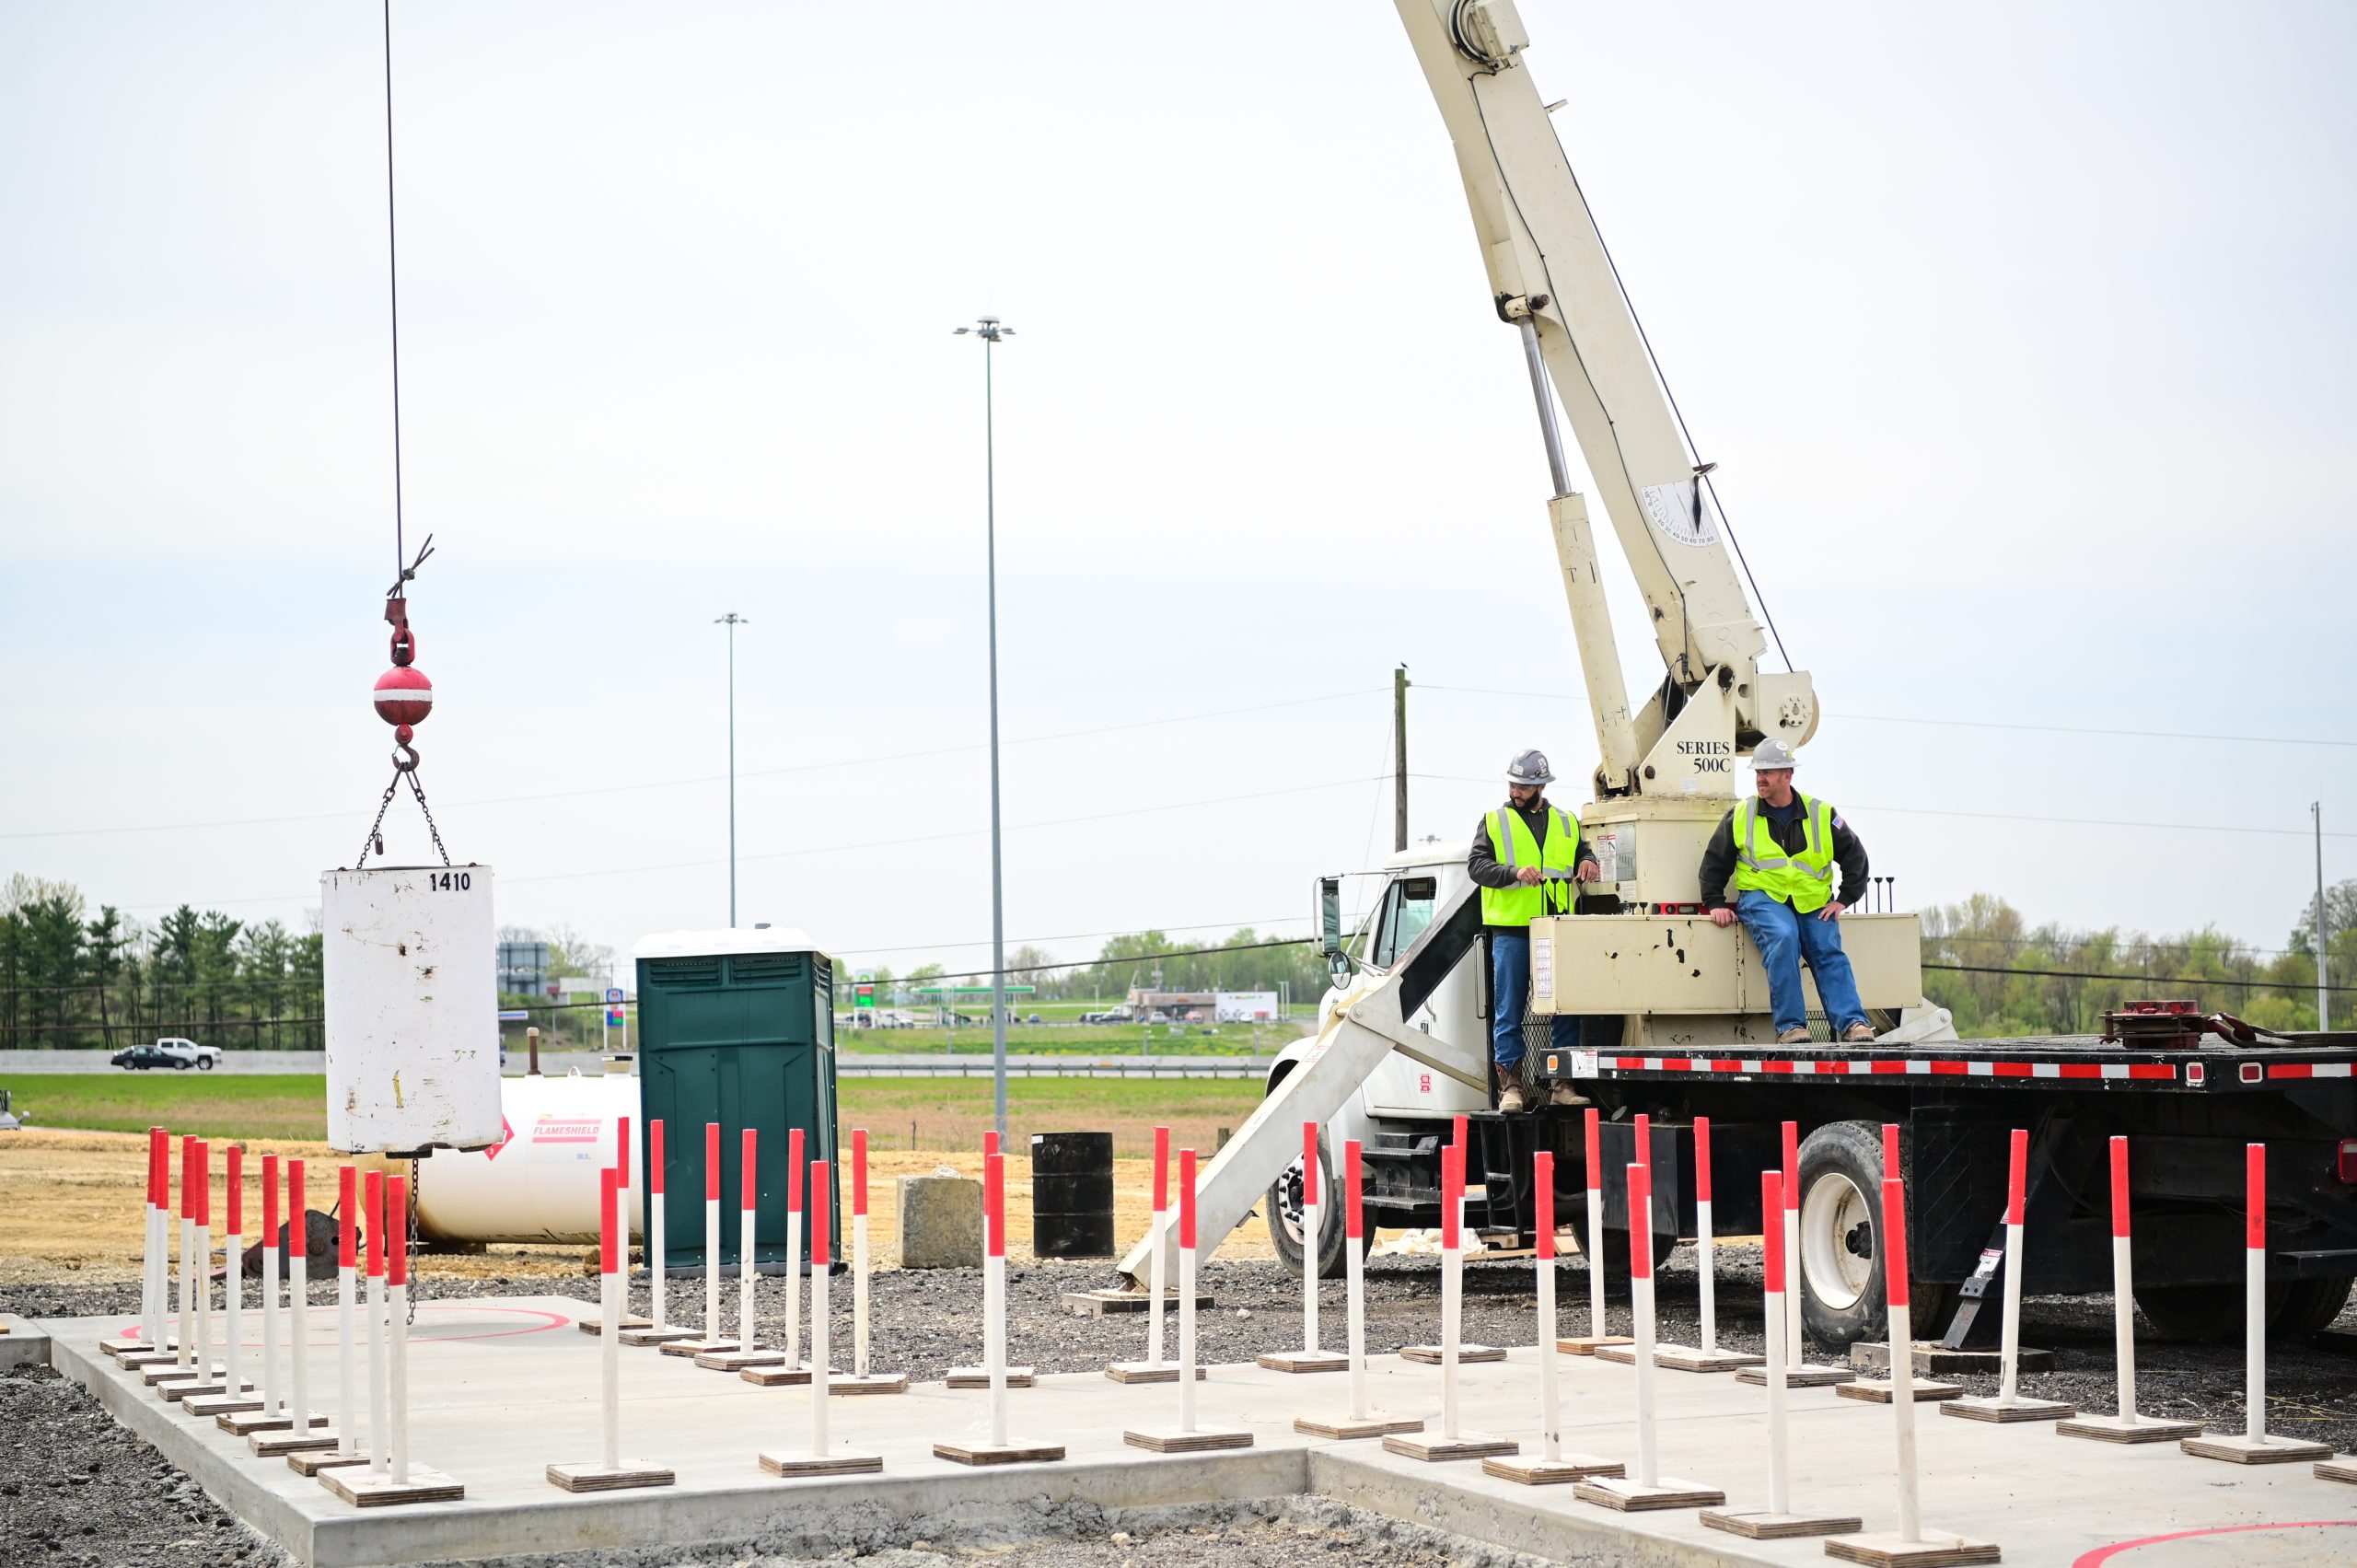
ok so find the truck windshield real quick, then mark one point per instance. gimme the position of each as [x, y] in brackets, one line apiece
[1407, 910]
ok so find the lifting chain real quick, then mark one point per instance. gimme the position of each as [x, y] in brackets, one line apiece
[375, 842]
[413, 1221]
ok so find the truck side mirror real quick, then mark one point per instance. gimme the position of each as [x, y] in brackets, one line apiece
[1330, 925]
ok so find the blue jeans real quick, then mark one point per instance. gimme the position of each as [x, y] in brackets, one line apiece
[1784, 938]
[1510, 998]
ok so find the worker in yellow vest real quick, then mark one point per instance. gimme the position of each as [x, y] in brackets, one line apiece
[1528, 859]
[1778, 849]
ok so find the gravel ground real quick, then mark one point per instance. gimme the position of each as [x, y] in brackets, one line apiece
[56, 1443]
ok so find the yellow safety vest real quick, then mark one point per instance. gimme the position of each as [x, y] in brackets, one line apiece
[1513, 843]
[1803, 881]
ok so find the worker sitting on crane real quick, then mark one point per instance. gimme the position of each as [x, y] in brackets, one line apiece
[1782, 847]
[1528, 859]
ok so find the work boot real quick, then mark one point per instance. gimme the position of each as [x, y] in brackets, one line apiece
[1563, 1094]
[1858, 1034]
[1793, 1037]
[1510, 1099]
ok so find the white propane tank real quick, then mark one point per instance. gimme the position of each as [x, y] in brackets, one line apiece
[408, 959]
[540, 1184]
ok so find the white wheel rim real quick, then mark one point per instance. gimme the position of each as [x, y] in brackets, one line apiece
[1830, 1209]
[1289, 1201]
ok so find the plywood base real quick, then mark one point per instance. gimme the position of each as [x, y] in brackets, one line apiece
[2240, 1450]
[269, 1444]
[739, 1360]
[213, 1406]
[1467, 1356]
[1170, 1440]
[1806, 1376]
[1681, 1358]
[1551, 1472]
[2337, 1468]
[1973, 1407]
[1374, 1424]
[776, 1376]
[656, 1335]
[127, 1345]
[1765, 1526]
[841, 1461]
[1933, 1359]
[1877, 1390]
[1624, 1496]
[980, 1377]
[874, 1383]
[1888, 1549]
[1148, 1372]
[179, 1389]
[312, 1461]
[364, 1491]
[1304, 1361]
[1694, 1358]
[1438, 1450]
[1117, 1303]
[244, 1423]
[139, 1360]
[596, 1325]
[2129, 1429]
[695, 1345]
[994, 1454]
[173, 1372]
[1588, 1344]
[600, 1478]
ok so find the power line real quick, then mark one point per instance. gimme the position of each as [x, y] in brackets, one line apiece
[711, 778]
[2139, 978]
[1960, 723]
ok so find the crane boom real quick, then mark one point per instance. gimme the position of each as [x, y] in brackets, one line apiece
[1551, 277]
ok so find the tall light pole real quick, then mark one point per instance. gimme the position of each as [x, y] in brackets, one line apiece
[732, 620]
[989, 330]
[2315, 812]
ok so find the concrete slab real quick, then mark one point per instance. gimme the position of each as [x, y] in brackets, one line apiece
[501, 1389]
[21, 1344]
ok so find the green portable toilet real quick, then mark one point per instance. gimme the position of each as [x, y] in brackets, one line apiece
[736, 1028]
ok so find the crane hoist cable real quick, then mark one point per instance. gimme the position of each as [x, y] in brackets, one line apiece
[404, 695]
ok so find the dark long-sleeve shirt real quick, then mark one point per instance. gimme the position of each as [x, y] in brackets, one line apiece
[1481, 863]
[1792, 834]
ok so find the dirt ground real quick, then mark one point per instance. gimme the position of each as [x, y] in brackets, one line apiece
[70, 1208]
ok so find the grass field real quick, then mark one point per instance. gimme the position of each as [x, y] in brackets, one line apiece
[901, 1113]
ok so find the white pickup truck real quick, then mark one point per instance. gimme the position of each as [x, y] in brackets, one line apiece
[170, 1052]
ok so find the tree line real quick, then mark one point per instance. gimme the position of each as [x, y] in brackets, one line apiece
[70, 978]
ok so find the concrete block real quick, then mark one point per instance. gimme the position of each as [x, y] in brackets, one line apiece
[21, 1344]
[941, 1222]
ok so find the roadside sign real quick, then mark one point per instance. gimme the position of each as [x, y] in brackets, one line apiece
[517, 1016]
[614, 1017]
[613, 996]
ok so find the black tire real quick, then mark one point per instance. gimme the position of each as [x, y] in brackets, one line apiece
[204, 1064]
[180, 1066]
[1839, 1266]
[2197, 1314]
[2308, 1308]
[1573, 1212]
[1282, 1208]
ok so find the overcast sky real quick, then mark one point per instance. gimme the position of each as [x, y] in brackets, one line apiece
[2021, 334]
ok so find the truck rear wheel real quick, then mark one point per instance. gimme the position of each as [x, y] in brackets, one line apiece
[2298, 1309]
[1843, 1299]
[1615, 1242]
[2309, 1308]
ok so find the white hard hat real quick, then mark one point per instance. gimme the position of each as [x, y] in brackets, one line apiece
[1771, 754]
[1529, 768]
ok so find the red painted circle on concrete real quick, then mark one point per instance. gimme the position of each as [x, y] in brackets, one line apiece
[2104, 1554]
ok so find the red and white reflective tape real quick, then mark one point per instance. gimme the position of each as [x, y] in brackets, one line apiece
[2310, 1069]
[1937, 1067]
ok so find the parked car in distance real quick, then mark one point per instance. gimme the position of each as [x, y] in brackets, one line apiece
[1110, 1015]
[139, 1058]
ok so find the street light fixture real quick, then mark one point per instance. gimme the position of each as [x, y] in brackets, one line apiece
[991, 330]
[732, 620]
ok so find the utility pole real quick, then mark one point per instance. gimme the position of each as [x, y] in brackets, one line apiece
[991, 330]
[2316, 813]
[1399, 757]
[732, 620]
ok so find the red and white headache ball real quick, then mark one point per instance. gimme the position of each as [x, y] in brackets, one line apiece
[404, 696]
